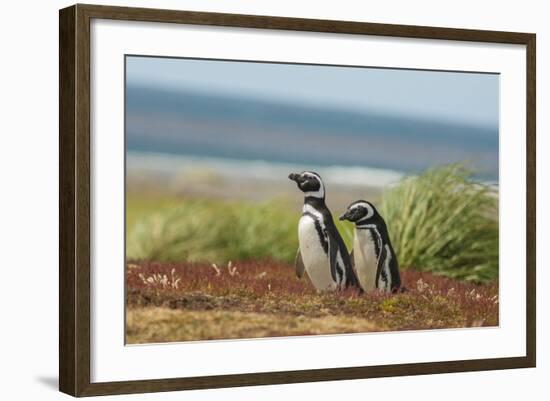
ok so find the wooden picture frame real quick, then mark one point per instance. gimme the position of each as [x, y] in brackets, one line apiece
[74, 199]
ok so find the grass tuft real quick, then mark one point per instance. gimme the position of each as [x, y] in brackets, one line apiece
[445, 223]
[215, 231]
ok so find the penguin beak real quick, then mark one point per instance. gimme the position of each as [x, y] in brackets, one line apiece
[294, 177]
[344, 216]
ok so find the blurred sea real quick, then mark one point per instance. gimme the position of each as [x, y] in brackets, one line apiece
[170, 164]
[182, 133]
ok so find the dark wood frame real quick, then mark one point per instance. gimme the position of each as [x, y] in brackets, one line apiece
[74, 199]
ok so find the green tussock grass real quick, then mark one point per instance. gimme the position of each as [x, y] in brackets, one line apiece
[445, 223]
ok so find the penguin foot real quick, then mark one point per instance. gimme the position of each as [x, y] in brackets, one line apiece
[399, 290]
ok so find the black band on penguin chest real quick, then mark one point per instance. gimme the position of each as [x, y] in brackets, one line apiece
[320, 232]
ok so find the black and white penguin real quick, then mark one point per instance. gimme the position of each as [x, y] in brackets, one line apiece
[322, 252]
[374, 259]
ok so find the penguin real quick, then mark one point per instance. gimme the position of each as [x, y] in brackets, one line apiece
[374, 260]
[322, 252]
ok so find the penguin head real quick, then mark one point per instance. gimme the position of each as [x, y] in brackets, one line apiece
[309, 183]
[359, 211]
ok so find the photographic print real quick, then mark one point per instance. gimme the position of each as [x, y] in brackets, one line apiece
[272, 199]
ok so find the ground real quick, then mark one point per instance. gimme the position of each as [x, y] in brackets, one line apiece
[197, 301]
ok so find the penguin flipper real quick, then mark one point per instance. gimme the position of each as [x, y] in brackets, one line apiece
[299, 264]
[332, 252]
[381, 259]
[379, 264]
[354, 270]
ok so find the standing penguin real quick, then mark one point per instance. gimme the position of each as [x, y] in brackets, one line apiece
[374, 259]
[322, 252]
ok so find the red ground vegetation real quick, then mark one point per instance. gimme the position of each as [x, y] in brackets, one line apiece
[272, 288]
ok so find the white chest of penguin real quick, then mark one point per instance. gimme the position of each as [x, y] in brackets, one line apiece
[366, 260]
[316, 261]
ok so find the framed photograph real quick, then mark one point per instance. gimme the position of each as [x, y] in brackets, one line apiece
[250, 200]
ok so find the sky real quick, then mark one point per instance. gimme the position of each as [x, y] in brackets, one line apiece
[447, 96]
[313, 115]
